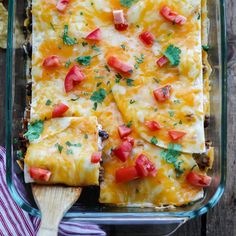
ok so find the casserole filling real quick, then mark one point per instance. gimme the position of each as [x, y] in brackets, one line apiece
[139, 68]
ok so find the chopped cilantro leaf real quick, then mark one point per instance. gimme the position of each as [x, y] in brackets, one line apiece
[139, 60]
[179, 171]
[130, 82]
[84, 60]
[67, 64]
[177, 101]
[107, 68]
[52, 26]
[98, 84]
[131, 101]
[156, 80]
[99, 95]
[118, 78]
[48, 102]
[127, 3]
[198, 16]
[171, 113]
[85, 93]
[173, 54]
[34, 130]
[74, 99]
[59, 147]
[84, 44]
[154, 140]
[180, 122]
[155, 109]
[95, 48]
[99, 77]
[129, 124]
[81, 13]
[95, 105]
[86, 136]
[123, 46]
[171, 156]
[69, 152]
[205, 48]
[175, 147]
[67, 40]
[69, 144]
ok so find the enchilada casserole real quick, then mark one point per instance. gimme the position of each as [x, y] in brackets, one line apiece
[139, 70]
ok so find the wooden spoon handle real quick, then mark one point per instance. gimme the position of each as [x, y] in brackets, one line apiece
[45, 231]
[53, 202]
[50, 222]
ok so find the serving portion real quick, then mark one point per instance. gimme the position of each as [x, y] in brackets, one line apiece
[136, 68]
[61, 154]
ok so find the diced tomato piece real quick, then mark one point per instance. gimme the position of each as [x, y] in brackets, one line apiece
[180, 20]
[121, 27]
[75, 75]
[145, 167]
[126, 174]
[124, 131]
[96, 157]
[198, 180]
[172, 16]
[123, 150]
[119, 65]
[39, 174]
[118, 16]
[176, 135]
[62, 5]
[153, 125]
[51, 62]
[162, 94]
[129, 139]
[162, 61]
[119, 20]
[59, 110]
[147, 38]
[95, 35]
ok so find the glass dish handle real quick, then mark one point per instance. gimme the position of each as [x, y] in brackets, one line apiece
[149, 226]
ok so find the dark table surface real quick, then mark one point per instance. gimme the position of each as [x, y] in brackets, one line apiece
[221, 220]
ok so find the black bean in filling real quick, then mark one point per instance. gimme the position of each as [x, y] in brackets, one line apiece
[103, 134]
[206, 121]
[29, 88]
[202, 160]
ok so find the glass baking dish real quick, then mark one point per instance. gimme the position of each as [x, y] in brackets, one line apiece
[87, 208]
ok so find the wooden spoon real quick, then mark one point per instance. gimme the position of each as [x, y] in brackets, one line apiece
[53, 202]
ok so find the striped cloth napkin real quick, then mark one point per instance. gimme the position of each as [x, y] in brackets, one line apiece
[15, 222]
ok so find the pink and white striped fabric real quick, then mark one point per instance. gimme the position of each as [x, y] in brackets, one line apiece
[15, 222]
